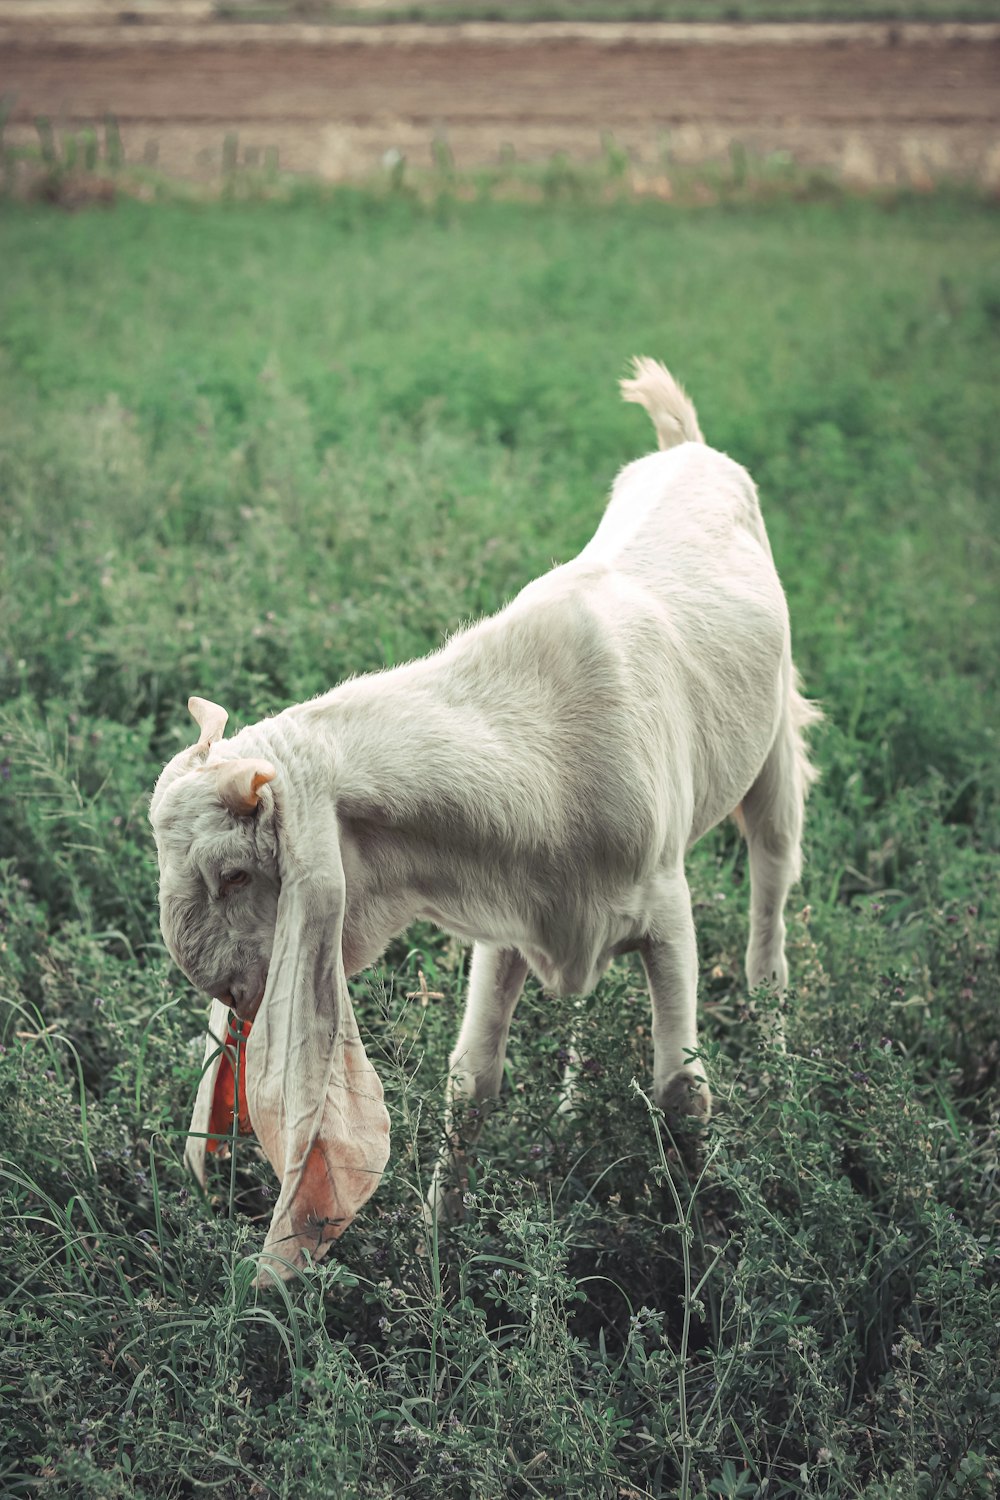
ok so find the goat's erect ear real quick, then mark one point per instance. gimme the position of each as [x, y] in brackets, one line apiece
[240, 782]
[314, 1098]
[210, 719]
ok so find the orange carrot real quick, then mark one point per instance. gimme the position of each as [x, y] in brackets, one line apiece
[224, 1099]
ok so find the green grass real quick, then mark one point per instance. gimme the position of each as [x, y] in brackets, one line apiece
[246, 449]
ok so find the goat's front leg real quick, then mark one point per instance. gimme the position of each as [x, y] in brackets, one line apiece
[496, 979]
[670, 958]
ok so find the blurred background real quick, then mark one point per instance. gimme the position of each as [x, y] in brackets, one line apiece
[902, 92]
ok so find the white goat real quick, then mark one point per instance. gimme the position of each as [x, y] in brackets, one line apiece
[532, 787]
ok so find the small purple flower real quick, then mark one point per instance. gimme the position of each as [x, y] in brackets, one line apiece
[4, 770]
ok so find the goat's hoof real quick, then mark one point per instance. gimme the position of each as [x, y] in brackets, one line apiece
[686, 1102]
[685, 1094]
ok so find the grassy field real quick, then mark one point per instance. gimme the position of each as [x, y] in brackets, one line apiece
[246, 449]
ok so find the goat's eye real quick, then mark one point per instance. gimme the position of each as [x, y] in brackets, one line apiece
[233, 879]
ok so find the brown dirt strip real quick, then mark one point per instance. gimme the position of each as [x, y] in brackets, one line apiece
[879, 102]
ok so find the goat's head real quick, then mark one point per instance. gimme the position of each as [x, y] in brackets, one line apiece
[252, 901]
[214, 823]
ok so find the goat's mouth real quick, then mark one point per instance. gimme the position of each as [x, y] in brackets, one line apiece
[244, 1005]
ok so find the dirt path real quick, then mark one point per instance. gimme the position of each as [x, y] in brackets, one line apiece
[878, 103]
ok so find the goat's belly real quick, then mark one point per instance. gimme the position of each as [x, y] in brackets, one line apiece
[578, 973]
[564, 979]
[570, 966]
[577, 978]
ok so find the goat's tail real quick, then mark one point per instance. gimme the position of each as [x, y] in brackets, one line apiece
[673, 414]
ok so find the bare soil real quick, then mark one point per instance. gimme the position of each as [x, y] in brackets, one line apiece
[875, 103]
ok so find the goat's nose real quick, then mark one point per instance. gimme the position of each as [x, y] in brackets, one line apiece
[244, 999]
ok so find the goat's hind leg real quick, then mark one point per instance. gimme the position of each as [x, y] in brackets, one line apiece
[496, 979]
[771, 817]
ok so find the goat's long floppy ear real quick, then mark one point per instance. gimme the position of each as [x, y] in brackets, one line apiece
[314, 1098]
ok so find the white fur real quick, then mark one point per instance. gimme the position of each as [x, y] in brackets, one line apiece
[533, 786]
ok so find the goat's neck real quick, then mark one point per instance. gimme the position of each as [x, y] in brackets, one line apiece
[403, 754]
[430, 793]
